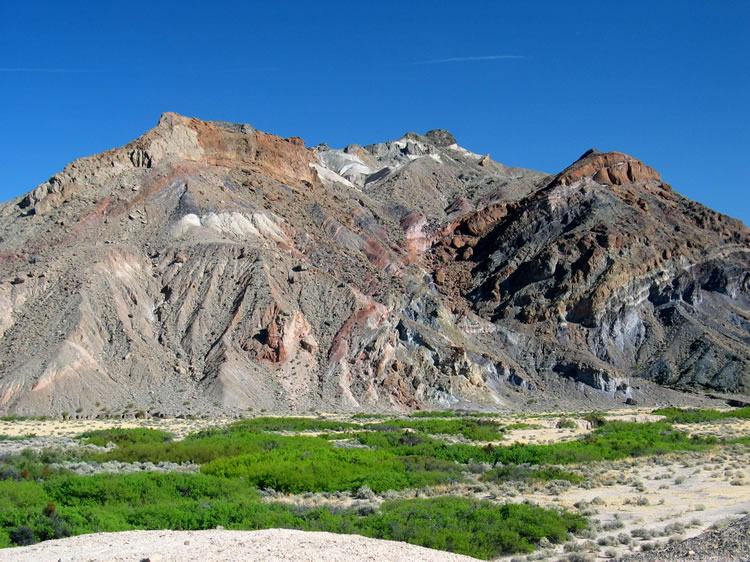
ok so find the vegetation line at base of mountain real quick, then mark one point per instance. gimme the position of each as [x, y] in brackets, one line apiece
[612, 441]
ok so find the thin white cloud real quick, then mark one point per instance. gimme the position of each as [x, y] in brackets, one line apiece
[471, 59]
[56, 70]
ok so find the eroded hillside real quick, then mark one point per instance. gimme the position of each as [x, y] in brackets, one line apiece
[210, 266]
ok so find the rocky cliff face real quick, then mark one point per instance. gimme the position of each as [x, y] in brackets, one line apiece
[210, 266]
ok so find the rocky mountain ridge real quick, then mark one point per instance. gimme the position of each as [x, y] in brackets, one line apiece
[209, 266]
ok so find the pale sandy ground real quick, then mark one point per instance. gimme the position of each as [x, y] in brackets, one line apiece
[704, 497]
[550, 433]
[209, 546]
[181, 427]
[67, 428]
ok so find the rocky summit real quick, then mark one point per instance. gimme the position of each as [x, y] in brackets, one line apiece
[209, 267]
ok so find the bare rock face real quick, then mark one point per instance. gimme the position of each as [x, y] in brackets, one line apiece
[212, 267]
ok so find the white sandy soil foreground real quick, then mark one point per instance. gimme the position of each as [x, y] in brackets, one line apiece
[212, 546]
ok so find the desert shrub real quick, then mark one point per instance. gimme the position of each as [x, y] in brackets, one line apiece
[467, 526]
[522, 425]
[208, 445]
[526, 474]
[574, 547]
[9, 473]
[328, 470]
[677, 415]
[567, 423]
[434, 414]
[22, 535]
[369, 416]
[118, 436]
[596, 419]
[34, 465]
[642, 533]
[285, 424]
[474, 429]
[638, 500]
[675, 528]
[404, 443]
[613, 525]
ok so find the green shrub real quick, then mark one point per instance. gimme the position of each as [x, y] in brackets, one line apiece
[522, 425]
[109, 502]
[476, 430]
[296, 470]
[567, 423]
[434, 414]
[289, 424]
[596, 419]
[677, 415]
[476, 528]
[118, 436]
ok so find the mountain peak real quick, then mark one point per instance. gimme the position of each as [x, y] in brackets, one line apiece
[440, 137]
[608, 168]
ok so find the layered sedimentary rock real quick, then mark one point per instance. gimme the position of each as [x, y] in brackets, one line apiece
[210, 266]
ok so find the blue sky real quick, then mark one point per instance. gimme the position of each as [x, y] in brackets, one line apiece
[534, 84]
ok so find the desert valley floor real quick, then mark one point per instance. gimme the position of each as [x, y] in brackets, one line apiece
[651, 497]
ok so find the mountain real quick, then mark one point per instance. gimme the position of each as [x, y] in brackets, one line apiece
[209, 267]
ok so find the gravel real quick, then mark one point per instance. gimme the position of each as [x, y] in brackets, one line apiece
[209, 546]
[728, 545]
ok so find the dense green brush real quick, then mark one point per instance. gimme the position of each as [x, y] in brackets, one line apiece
[75, 505]
[293, 470]
[612, 441]
[118, 436]
[476, 430]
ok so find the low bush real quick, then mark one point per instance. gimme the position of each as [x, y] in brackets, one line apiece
[434, 414]
[526, 474]
[476, 528]
[522, 425]
[287, 424]
[34, 465]
[296, 470]
[476, 430]
[677, 415]
[209, 445]
[118, 436]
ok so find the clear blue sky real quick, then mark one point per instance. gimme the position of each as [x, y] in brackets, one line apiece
[535, 84]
